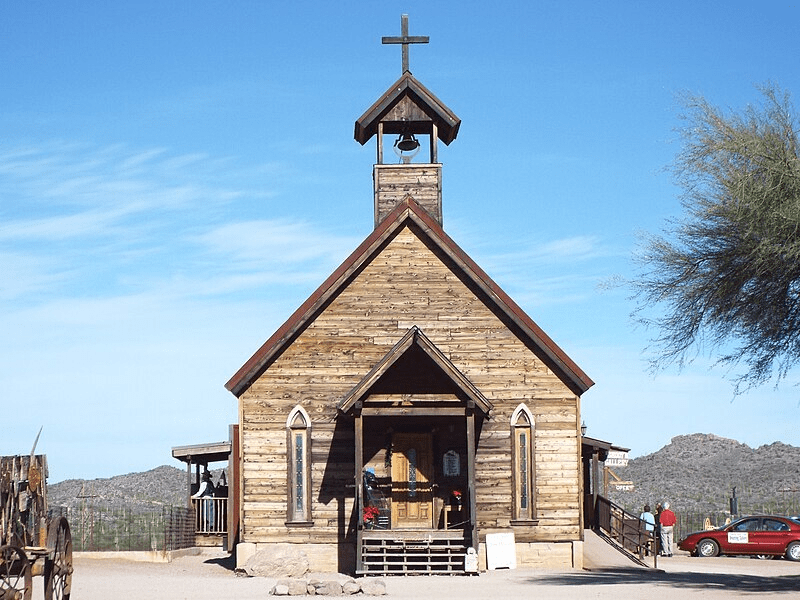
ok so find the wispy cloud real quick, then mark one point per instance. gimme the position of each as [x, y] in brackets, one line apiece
[107, 221]
[25, 275]
[277, 241]
[128, 270]
[537, 272]
[564, 250]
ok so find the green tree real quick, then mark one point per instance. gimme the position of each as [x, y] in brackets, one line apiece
[725, 278]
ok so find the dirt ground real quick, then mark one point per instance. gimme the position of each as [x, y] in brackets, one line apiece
[210, 576]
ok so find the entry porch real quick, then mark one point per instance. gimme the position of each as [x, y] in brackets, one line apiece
[417, 419]
[415, 500]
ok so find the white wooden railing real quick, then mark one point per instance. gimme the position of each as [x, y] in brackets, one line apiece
[211, 515]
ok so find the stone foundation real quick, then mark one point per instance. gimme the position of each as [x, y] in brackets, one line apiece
[329, 558]
[542, 555]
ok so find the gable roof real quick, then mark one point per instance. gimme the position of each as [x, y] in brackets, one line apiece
[409, 211]
[414, 104]
[414, 338]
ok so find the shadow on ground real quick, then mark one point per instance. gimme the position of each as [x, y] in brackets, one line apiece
[707, 581]
[226, 562]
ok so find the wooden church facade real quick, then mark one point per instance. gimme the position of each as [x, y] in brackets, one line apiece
[409, 407]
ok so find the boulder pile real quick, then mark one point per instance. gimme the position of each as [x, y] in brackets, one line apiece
[328, 587]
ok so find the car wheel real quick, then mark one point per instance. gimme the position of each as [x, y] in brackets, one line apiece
[793, 551]
[707, 548]
[763, 556]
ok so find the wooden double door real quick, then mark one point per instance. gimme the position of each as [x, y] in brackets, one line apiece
[412, 481]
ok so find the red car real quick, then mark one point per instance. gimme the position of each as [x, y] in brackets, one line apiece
[756, 535]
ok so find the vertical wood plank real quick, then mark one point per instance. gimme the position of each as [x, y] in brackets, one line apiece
[359, 480]
[471, 476]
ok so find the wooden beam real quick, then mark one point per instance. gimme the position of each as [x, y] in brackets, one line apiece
[433, 140]
[412, 411]
[359, 479]
[189, 482]
[380, 143]
[595, 483]
[471, 477]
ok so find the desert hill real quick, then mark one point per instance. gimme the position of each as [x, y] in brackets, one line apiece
[139, 492]
[697, 473]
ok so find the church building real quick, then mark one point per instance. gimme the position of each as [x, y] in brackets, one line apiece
[410, 416]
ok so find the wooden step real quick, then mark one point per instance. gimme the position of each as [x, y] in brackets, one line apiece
[408, 556]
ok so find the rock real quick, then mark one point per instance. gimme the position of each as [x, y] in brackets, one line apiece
[373, 587]
[298, 587]
[278, 561]
[295, 587]
[322, 586]
[326, 587]
[350, 587]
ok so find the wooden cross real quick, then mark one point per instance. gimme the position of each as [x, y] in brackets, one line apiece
[405, 40]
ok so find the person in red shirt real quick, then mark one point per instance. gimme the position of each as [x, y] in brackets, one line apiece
[667, 521]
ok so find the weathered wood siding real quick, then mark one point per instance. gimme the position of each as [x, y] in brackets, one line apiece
[392, 183]
[406, 284]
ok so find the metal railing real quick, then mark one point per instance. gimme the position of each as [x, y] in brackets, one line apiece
[211, 515]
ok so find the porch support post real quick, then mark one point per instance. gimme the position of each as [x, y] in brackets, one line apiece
[471, 476]
[595, 483]
[359, 480]
[189, 482]
[380, 142]
[587, 517]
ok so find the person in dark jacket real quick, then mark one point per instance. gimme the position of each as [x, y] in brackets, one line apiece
[206, 493]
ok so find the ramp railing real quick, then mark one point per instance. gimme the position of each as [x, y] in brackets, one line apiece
[629, 531]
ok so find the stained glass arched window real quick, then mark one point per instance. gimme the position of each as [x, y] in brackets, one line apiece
[298, 428]
[522, 463]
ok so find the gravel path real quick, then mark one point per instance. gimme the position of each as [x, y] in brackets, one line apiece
[209, 576]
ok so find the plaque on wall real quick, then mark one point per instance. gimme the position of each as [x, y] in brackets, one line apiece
[451, 464]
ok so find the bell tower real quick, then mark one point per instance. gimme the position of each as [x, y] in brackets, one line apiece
[406, 111]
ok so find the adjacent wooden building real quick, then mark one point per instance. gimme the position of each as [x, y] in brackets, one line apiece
[409, 407]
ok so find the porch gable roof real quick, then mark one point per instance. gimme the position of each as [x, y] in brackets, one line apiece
[407, 212]
[415, 338]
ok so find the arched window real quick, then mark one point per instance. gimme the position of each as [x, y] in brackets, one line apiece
[522, 463]
[298, 427]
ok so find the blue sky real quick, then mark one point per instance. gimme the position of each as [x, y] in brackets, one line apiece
[176, 178]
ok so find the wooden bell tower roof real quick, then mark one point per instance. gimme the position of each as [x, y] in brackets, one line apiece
[406, 110]
[408, 106]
